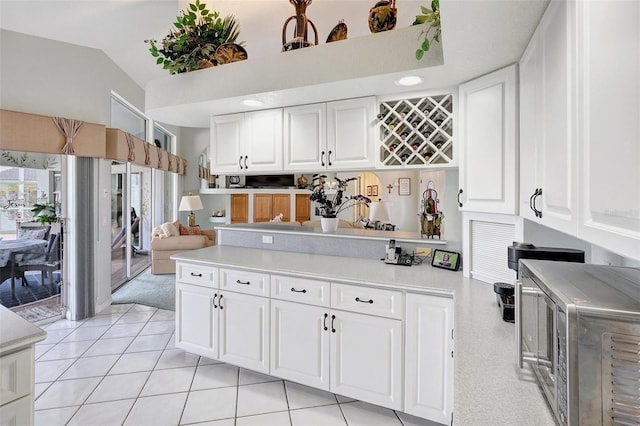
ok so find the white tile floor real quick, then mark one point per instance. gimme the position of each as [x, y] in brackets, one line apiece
[121, 368]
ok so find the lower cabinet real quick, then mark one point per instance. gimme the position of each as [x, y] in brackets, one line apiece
[227, 326]
[366, 358]
[383, 346]
[429, 357]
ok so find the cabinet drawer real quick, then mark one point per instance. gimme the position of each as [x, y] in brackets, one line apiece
[255, 283]
[367, 300]
[300, 290]
[16, 375]
[205, 276]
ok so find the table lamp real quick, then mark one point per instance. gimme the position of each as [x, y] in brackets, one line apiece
[189, 203]
[378, 212]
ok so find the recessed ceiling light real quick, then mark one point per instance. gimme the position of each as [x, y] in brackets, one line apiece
[410, 80]
[252, 103]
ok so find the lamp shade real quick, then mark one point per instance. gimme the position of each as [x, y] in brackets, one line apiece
[190, 203]
[378, 212]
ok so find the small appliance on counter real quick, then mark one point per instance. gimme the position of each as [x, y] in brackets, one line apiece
[520, 250]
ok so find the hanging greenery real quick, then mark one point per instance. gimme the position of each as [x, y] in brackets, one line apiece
[433, 32]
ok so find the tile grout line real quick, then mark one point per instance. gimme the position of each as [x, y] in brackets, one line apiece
[286, 397]
[235, 416]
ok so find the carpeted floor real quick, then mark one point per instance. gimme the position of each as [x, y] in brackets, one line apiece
[150, 290]
[28, 293]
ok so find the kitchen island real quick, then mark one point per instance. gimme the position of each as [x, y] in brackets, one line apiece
[488, 389]
[17, 367]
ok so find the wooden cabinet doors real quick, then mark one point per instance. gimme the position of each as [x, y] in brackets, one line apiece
[239, 208]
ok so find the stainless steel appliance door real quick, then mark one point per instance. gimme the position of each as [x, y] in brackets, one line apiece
[546, 364]
[526, 320]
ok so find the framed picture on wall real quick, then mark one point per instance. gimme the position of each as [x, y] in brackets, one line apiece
[404, 186]
[374, 190]
[369, 190]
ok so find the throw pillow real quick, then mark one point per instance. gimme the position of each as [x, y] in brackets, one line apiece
[190, 230]
[170, 230]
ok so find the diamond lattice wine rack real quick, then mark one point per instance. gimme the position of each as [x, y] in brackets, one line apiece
[416, 132]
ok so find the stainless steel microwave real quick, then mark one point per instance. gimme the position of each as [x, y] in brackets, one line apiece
[578, 327]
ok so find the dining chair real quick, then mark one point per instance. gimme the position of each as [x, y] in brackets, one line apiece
[46, 262]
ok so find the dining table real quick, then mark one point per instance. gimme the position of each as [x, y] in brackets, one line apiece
[23, 249]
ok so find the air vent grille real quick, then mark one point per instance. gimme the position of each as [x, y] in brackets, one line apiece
[620, 380]
[489, 241]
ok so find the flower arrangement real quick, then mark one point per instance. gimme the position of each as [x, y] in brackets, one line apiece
[331, 205]
[192, 44]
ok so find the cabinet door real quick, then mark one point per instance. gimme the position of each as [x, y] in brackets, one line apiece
[350, 130]
[226, 143]
[557, 154]
[305, 137]
[300, 343]
[610, 126]
[196, 320]
[366, 358]
[18, 412]
[429, 358]
[239, 208]
[263, 141]
[489, 145]
[262, 207]
[282, 204]
[244, 330]
[530, 124]
[303, 208]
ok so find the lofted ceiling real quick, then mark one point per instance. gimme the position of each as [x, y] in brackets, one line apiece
[478, 36]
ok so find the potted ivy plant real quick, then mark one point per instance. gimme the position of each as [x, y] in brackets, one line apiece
[192, 42]
[430, 17]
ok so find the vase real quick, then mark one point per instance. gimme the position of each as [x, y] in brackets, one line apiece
[329, 224]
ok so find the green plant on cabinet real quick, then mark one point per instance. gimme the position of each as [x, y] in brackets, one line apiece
[433, 32]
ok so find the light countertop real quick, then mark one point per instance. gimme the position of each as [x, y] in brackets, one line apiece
[489, 388]
[16, 332]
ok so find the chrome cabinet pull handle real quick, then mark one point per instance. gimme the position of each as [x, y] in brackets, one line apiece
[322, 158]
[364, 301]
[531, 201]
[329, 157]
[195, 275]
[459, 194]
[536, 195]
[220, 302]
[324, 322]
[298, 291]
[214, 301]
[333, 318]
[242, 282]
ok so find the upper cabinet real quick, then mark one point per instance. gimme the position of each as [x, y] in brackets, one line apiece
[247, 143]
[548, 169]
[609, 125]
[489, 143]
[333, 136]
[416, 132]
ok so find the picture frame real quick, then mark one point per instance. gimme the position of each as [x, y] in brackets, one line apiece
[369, 190]
[374, 190]
[446, 260]
[404, 186]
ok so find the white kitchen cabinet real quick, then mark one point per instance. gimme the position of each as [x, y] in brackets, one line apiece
[305, 137]
[333, 136]
[244, 330]
[609, 125]
[300, 343]
[247, 143]
[350, 134]
[547, 122]
[366, 358]
[489, 143]
[428, 381]
[197, 319]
